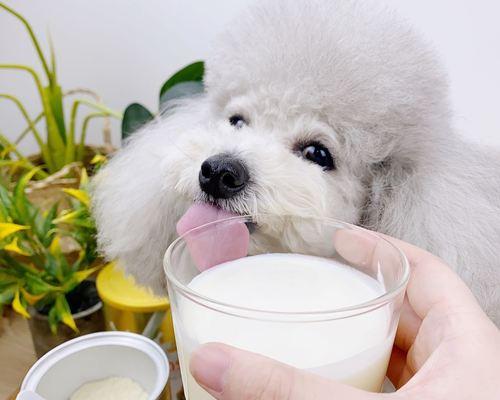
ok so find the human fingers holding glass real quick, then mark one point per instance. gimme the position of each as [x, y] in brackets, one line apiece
[445, 348]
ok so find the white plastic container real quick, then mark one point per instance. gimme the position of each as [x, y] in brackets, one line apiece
[64, 369]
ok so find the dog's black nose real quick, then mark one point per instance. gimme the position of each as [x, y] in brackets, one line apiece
[222, 176]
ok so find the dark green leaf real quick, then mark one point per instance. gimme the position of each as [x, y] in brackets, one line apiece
[63, 262]
[7, 294]
[179, 91]
[7, 202]
[191, 72]
[52, 267]
[48, 226]
[134, 117]
[17, 269]
[6, 281]
[56, 105]
[53, 319]
[36, 285]
[37, 221]
[19, 197]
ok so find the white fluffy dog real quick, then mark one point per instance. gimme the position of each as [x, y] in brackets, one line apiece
[328, 108]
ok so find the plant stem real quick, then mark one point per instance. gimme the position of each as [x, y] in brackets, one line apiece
[102, 108]
[28, 129]
[35, 76]
[33, 39]
[51, 124]
[52, 129]
[41, 115]
[17, 102]
[81, 146]
[4, 141]
[52, 58]
[19, 105]
[70, 143]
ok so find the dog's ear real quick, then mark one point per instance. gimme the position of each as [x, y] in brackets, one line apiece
[131, 208]
[427, 202]
[394, 203]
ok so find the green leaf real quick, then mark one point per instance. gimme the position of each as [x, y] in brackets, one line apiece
[191, 72]
[56, 104]
[6, 281]
[31, 34]
[7, 203]
[20, 199]
[134, 117]
[178, 91]
[53, 320]
[52, 267]
[48, 225]
[7, 294]
[37, 221]
[56, 148]
[37, 285]
[64, 312]
[53, 72]
[17, 269]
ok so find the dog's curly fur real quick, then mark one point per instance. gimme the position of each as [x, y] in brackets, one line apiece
[346, 73]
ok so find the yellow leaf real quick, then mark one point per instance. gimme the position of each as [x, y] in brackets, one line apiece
[82, 275]
[67, 217]
[18, 307]
[79, 194]
[14, 247]
[68, 320]
[32, 298]
[64, 312]
[7, 228]
[55, 246]
[98, 159]
[84, 178]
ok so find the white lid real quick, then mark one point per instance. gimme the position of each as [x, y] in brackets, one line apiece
[62, 370]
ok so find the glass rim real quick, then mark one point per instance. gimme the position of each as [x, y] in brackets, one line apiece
[355, 309]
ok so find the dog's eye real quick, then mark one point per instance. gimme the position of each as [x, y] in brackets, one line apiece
[318, 154]
[237, 121]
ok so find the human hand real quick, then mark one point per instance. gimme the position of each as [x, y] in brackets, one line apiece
[445, 347]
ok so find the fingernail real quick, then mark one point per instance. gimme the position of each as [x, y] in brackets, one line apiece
[208, 365]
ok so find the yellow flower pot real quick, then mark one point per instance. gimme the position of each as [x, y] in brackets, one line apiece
[128, 307]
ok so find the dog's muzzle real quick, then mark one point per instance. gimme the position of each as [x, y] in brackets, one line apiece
[223, 176]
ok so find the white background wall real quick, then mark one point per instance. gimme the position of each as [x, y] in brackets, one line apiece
[124, 49]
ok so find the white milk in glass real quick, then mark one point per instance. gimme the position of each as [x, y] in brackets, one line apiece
[353, 350]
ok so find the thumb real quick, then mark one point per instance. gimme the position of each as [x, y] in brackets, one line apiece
[228, 373]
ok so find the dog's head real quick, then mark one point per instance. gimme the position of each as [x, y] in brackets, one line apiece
[306, 105]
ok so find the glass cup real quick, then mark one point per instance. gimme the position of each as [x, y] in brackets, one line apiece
[350, 343]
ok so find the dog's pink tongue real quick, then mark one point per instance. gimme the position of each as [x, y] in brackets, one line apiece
[216, 244]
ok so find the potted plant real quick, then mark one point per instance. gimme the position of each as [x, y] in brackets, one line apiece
[62, 151]
[187, 81]
[42, 282]
[61, 142]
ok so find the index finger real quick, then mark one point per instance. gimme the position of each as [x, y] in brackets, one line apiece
[431, 283]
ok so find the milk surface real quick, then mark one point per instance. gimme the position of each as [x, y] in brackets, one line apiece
[353, 350]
